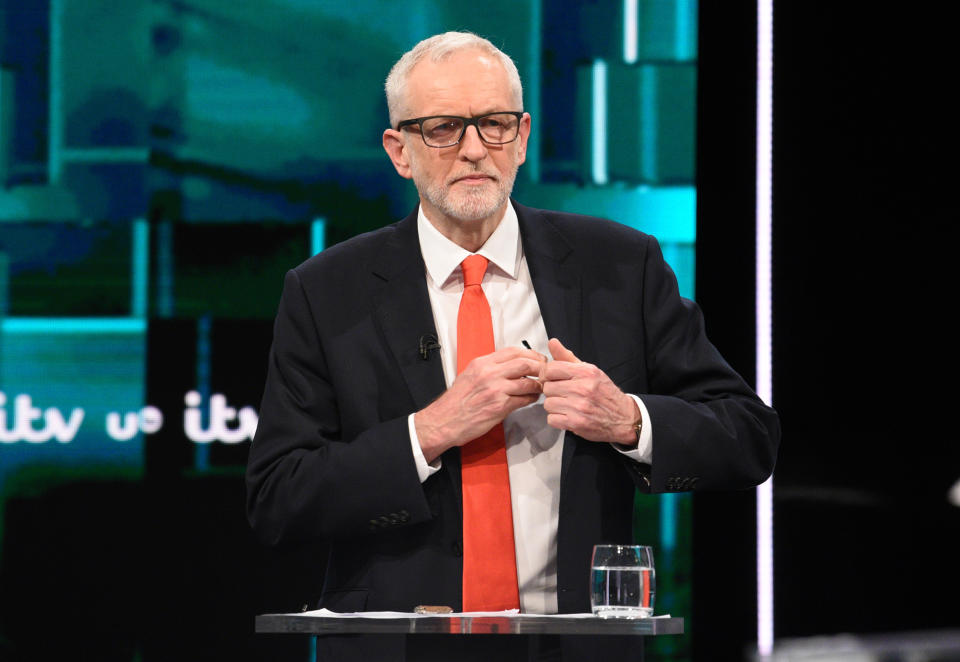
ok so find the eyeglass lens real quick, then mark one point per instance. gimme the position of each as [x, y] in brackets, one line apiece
[496, 128]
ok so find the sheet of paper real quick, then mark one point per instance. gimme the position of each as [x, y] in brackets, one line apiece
[512, 613]
[574, 616]
[401, 614]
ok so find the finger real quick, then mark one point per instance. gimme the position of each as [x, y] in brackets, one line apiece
[520, 367]
[518, 401]
[509, 353]
[493, 363]
[556, 389]
[560, 404]
[523, 386]
[561, 353]
[552, 404]
[560, 370]
[558, 421]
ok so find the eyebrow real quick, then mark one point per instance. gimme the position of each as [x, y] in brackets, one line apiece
[484, 112]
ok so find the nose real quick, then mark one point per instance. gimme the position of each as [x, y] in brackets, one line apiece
[472, 148]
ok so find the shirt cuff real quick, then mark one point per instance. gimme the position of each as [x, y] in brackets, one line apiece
[643, 451]
[424, 470]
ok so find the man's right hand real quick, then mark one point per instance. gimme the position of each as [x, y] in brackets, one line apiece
[481, 396]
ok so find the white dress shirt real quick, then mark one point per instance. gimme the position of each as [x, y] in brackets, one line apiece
[533, 448]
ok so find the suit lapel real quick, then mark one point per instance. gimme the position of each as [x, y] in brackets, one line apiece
[557, 280]
[556, 276]
[403, 312]
[403, 315]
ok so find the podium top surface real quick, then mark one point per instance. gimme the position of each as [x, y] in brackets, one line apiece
[312, 623]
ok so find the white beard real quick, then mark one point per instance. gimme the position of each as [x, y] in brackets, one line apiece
[473, 204]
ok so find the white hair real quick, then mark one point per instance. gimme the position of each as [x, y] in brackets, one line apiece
[438, 48]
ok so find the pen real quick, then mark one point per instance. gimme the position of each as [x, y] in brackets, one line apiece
[536, 379]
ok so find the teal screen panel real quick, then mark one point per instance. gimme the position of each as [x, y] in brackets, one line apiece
[162, 164]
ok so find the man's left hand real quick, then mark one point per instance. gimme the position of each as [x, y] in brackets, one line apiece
[579, 397]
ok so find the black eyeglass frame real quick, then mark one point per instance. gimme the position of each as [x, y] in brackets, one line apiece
[467, 122]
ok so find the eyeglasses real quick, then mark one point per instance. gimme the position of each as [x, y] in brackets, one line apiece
[448, 130]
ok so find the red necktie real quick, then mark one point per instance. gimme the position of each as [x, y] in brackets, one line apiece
[489, 554]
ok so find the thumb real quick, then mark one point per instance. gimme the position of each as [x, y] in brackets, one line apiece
[561, 353]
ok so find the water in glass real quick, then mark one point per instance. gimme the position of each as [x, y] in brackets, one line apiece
[622, 581]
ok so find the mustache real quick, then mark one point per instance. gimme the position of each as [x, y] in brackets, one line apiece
[476, 171]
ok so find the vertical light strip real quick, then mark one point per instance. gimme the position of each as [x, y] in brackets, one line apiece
[631, 25]
[140, 268]
[4, 286]
[55, 94]
[598, 122]
[201, 452]
[764, 248]
[165, 266]
[318, 235]
[685, 9]
[649, 122]
[532, 102]
[668, 522]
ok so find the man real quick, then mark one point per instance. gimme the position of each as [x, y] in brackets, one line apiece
[444, 474]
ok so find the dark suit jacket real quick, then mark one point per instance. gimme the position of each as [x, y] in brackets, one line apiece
[331, 458]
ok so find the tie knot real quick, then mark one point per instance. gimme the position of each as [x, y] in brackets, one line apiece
[473, 269]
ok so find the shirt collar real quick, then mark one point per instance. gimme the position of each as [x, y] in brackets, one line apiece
[442, 257]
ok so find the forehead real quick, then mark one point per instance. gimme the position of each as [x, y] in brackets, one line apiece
[467, 82]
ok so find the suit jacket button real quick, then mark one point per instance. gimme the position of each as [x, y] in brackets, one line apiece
[456, 548]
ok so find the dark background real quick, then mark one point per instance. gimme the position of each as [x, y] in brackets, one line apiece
[864, 367]
[864, 353]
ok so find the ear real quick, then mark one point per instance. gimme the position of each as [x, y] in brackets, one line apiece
[396, 148]
[523, 137]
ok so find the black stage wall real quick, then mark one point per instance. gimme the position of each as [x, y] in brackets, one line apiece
[864, 353]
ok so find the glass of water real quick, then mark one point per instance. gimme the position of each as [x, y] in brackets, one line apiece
[622, 581]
